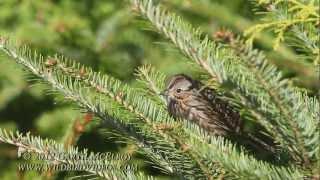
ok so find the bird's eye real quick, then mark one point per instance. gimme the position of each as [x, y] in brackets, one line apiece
[178, 90]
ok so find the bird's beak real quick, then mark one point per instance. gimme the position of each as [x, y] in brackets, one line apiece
[164, 93]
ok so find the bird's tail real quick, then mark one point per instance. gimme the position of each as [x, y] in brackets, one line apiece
[262, 143]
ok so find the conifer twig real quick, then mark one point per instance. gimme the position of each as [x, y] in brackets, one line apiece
[56, 154]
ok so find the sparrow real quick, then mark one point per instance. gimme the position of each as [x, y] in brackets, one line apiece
[189, 99]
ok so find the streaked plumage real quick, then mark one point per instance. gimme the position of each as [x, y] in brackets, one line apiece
[189, 99]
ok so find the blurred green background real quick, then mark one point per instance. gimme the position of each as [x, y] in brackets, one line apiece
[105, 35]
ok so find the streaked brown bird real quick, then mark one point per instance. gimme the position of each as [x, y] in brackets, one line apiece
[191, 100]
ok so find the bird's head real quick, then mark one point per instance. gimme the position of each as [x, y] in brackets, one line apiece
[178, 87]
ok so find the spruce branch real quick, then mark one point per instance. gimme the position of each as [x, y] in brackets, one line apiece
[115, 111]
[219, 148]
[283, 102]
[56, 154]
[225, 66]
[153, 80]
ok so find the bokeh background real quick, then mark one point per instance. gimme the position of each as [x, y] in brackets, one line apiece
[107, 36]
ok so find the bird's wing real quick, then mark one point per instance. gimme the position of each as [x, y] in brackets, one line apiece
[226, 113]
